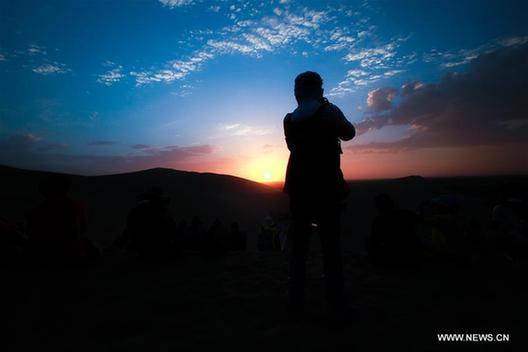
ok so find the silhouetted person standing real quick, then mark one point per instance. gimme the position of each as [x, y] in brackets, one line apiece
[315, 185]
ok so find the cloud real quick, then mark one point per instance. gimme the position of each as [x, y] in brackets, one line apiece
[175, 70]
[34, 49]
[372, 64]
[111, 76]
[171, 156]
[514, 41]
[141, 146]
[172, 4]
[30, 151]
[147, 77]
[214, 8]
[374, 57]
[238, 130]
[381, 99]
[193, 63]
[232, 126]
[22, 141]
[411, 87]
[184, 90]
[340, 40]
[452, 58]
[251, 37]
[359, 78]
[102, 143]
[256, 31]
[51, 68]
[486, 105]
[227, 46]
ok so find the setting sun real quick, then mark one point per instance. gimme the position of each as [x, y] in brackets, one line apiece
[268, 175]
[266, 169]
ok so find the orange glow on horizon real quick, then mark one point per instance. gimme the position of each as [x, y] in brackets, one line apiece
[270, 168]
[265, 169]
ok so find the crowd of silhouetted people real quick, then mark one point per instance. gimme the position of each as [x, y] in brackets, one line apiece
[54, 233]
[439, 230]
[153, 234]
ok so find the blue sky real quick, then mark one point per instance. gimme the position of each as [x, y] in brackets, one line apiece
[97, 87]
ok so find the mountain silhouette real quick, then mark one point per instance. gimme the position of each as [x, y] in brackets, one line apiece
[109, 198]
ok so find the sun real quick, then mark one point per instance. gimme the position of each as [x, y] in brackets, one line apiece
[266, 169]
[267, 175]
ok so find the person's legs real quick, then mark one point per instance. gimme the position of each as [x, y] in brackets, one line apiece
[329, 232]
[298, 256]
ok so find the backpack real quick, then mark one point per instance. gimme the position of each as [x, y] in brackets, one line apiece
[314, 164]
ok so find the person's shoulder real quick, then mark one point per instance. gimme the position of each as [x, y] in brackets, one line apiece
[287, 117]
[333, 109]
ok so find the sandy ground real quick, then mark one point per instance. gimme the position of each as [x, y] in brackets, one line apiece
[238, 303]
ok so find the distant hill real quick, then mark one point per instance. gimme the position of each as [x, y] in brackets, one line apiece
[109, 198]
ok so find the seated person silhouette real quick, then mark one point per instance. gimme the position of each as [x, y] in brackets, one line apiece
[149, 226]
[56, 225]
[315, 185]
[393, 242]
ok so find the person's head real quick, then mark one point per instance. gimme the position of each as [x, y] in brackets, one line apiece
[384, 203]
[308, 85]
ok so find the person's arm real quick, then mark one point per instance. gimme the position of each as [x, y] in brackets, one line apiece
[345, 130]
[286, 125]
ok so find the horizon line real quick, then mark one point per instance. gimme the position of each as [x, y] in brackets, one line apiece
[269, 183]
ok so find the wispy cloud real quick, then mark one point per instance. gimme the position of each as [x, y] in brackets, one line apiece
[21, 141]
[239, 130]
[359, 78]
[247, 37]
[147, 77]
[378, 57]
[51, 68]
[175, 70]
[453, 58]
[176, 3]
[35, 49]
[111, 76]
[372, 63]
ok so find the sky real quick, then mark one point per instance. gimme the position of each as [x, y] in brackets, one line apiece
[434, 88]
